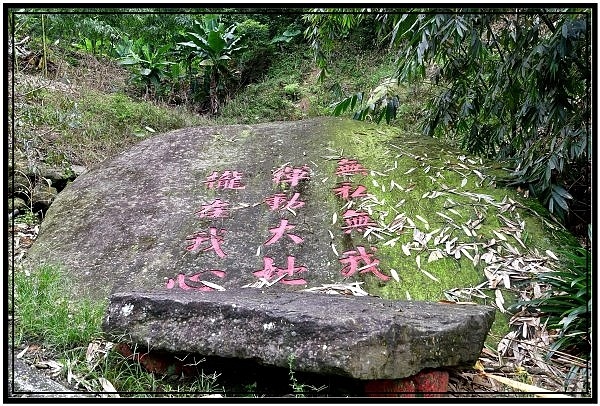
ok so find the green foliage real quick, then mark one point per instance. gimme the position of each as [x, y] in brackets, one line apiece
[267, 100]
[512, 86]
[292, 90]
[95, 36]
[383, 102]
[286, 36]
[43, 311]
[28, 218]
[257, 52]
[92, 126]
[150, 65]
[325, 29]
[568, 306]
[212, 46]
[300, 390]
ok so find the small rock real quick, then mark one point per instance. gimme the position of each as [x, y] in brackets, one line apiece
[17, 203]
[78, 170]
[43, 195]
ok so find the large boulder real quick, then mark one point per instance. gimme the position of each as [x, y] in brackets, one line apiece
[292, 206]
[199, 219]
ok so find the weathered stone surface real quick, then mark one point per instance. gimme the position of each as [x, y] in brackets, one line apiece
[125, 225]
[24, 381]
[361, 337]
[17, 203]
[43, 195]
[402, 215]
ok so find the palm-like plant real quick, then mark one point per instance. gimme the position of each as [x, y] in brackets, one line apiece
[212, 46]
[150, 65]
[567, 305]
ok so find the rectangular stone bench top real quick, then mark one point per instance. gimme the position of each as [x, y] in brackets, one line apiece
[361, 337]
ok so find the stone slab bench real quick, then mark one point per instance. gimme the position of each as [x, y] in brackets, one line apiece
[365, 338]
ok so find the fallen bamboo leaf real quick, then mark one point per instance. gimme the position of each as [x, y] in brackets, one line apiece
[506, 280]
[435, 255]
[454, 212]
[392, 242]
[213, 285]
[524, 387]
[499, 235]
[444, 216]
[19, 355]
[519, 240]
[409, 171]
[499, 300]
[418, 259]
[334, 218]
[463, 183]
[466, 253]
[70, 374]
[406, 249]
[395, 185]
[394, 274]
[423, 221]
[108, 387]
[551, 255]
[429, 275]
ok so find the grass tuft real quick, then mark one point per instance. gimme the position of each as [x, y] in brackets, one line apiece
[43, 312]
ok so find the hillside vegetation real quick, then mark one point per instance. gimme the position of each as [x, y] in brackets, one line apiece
[88, 86]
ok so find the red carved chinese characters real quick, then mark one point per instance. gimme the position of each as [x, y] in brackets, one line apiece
[216, 209]
[278, 232]
[291, 175]
[193, 282]
[350, 167]
[356, 220]
[279, 201]
[226, 180]
[345, 191]
[269, 271]
[352, 260]
[213, 237]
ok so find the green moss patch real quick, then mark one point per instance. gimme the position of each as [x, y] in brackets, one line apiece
[444, 229]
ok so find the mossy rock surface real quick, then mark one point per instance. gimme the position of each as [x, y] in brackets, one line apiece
[438, 226]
